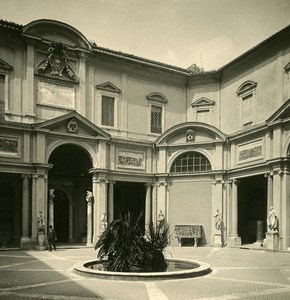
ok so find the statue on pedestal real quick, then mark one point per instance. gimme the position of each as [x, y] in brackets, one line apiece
[218, 220]
[89, 197]
[272, 220]
[160, 221]
[41, 242]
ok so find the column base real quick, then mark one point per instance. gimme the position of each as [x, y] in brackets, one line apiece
[272, 241]
[234, 241]
[25, 242]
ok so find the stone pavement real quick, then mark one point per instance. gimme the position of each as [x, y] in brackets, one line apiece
[237, 274]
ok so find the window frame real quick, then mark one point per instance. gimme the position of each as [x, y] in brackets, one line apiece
[190, 156]
[158, 100]
[6, 70]
[111, 91]
[247, 91]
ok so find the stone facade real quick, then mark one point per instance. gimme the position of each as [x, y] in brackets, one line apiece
[87, 133]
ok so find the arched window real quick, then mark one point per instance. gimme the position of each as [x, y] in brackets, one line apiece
[190, 162]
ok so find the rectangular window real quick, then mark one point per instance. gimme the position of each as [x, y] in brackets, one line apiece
[247, 110]
[108, 111]
[156, 119]
[2, 97]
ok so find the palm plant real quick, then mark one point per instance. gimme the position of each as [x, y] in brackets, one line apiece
[124, 248]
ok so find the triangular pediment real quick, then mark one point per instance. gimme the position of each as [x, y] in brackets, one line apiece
[4, 67]
[73, 124]
[282, 113]
[203, 102]
[108, 86]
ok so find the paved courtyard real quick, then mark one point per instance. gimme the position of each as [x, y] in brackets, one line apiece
[237, 274]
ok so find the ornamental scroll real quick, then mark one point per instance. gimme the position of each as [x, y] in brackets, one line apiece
[130, 159]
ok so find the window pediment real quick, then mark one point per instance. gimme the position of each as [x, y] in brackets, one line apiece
[4, 67]
[246, 87]
[108, 86]
[158, 97]
[203, 102]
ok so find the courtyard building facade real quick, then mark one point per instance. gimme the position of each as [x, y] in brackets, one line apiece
[88, 133]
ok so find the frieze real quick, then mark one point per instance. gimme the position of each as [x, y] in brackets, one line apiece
[9, 146]
[130, 159]
[250, 151]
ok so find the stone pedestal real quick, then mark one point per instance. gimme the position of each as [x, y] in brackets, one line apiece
[234, 241]
[272, 241]
[41, 242]
[217, 240]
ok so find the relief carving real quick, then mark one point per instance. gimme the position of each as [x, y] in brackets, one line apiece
[8, 145]
[56, 63]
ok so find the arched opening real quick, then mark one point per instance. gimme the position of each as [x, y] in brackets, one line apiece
[70, 179]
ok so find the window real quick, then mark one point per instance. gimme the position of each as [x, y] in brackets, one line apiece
[5, 72]
[106, 110]
[2, 97]
[202, 110]
[246, 93]
[157, 103]
[108, 114]
[190, 162]
[156, 119]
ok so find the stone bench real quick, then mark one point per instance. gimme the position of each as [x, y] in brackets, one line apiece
[188, 232]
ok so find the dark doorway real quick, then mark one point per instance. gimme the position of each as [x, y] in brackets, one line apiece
[129, 196]
[61, 216]
[252, 207]
[10, 209]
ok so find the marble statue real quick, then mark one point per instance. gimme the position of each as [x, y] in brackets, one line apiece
[40, 222]
[104, 223]
[160, 221]
[218, 220]
[89, 197]
[272, 220]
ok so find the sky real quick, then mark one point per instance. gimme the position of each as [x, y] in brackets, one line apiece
[209, 33]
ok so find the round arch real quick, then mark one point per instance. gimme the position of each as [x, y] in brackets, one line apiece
[88, 150]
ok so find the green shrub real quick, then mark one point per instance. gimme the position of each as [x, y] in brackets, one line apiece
[125, 248]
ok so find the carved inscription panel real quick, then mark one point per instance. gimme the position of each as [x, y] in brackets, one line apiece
[51, 92]
[130, 159]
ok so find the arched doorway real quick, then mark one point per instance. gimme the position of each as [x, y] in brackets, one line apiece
[70, 179]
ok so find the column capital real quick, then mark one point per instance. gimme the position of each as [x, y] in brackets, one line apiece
[25, 176]
[232, 181]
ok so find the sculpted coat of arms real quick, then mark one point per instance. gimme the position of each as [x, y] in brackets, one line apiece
[56, 63]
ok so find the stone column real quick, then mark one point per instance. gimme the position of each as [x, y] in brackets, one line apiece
[269, 176]
[25, 241]
[234, 239]
[51, 208]
[111, 201]
[161, 196]
[39, 202]
[70, 234]
[148, 206]
[100, 205]
[89, 199]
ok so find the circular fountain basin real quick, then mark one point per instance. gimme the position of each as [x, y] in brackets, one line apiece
[177, 268]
